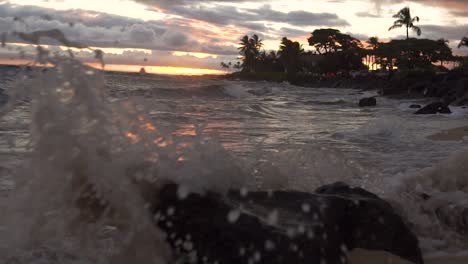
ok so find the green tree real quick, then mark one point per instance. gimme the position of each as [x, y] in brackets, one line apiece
[249, 49]
[289, 54]
[404, 18]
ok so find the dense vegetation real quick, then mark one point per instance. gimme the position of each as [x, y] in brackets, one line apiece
[337, 53]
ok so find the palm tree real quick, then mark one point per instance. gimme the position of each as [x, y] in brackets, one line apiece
[463, 42]
[289, 54]
[444, 51]
[374, 43]
[404, 19]
[250, 50]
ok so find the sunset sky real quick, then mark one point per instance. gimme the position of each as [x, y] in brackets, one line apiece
[201, 34]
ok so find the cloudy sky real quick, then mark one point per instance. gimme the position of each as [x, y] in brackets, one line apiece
[200, 34]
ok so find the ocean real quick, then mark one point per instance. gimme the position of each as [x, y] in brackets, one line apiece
[207, 133]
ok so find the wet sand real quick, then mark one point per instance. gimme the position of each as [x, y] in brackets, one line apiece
[456, 134]
[368, 257]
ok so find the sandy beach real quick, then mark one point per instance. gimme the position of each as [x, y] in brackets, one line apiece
[455, 134]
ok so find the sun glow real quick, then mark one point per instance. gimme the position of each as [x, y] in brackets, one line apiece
[168, 70]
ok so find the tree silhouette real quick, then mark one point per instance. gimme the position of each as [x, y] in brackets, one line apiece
[444, 53]
[404, 18]
[324, 40]
[250, 50]
[289, 54]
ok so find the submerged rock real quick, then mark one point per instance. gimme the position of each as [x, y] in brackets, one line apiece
[365, 102]
[434, 108]
[280, 226]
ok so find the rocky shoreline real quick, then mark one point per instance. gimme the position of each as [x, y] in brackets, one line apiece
[449, 88]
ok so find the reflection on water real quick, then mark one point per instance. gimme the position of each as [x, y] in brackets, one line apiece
[275, 116]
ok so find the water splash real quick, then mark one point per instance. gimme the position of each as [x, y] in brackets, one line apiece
[75, 194]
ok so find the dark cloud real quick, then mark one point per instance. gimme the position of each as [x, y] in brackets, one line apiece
[448, 4]
[106, 30]
[368, 14]
[217, 12]
[294, 33]
[453, 33]
[463, 13]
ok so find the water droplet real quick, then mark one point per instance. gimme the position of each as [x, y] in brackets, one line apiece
[257, 256]
[269, 245]
[170, 211]
[182, 192]
[273, 217]
[242, 251]
[233, 216]
[244, 192]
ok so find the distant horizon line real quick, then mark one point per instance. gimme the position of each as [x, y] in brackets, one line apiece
[130, 68]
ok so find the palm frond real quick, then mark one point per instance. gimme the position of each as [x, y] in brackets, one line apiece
[395, 26]
[417, 29]
[463, 42]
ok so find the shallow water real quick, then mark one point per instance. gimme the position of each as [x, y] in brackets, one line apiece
[271, 135]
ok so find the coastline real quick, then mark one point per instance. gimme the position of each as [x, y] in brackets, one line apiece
[450, 88]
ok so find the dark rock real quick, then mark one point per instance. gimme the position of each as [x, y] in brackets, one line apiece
[415, 106]
[281, 226]
[365, 102]
[434, 108]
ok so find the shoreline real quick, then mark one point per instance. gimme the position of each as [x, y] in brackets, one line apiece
[450, 88]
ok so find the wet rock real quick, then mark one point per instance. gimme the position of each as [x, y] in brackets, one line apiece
[280, 226]
[415, 106]
[366, 102]
[434, 108]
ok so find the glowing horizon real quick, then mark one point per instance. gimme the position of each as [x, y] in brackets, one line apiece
[163, 70]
